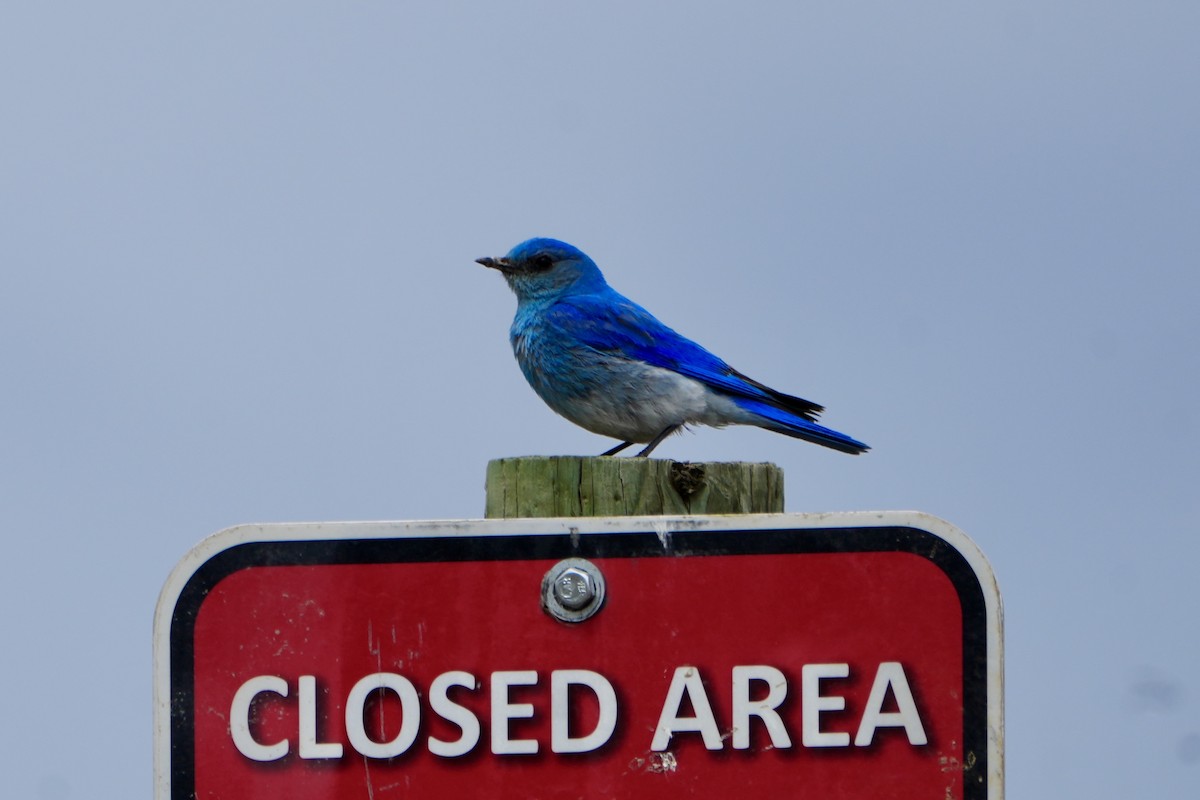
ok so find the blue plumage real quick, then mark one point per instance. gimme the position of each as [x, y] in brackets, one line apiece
[607, 364]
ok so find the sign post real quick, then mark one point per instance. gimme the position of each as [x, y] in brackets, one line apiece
[854, 655]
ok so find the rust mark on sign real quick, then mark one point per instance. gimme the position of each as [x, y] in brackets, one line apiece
[952, 764]
[655, 763]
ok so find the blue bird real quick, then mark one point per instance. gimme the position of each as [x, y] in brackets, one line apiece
[605, 363]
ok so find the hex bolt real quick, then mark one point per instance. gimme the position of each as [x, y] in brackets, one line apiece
[573, 590]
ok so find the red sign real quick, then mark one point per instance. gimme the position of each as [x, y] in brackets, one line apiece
[850, 656]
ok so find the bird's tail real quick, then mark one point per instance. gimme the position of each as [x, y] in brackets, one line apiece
[782, 421]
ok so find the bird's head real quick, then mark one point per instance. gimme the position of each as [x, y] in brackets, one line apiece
[541, 269]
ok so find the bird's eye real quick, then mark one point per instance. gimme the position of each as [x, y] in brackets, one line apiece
[542, 262]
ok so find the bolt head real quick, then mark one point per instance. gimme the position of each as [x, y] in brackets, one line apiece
[574, 588]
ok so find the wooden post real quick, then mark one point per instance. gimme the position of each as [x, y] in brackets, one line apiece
[579, 486]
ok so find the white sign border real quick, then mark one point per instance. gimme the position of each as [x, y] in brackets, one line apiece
[663, 526]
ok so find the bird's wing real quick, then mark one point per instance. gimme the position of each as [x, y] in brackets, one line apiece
[611, 323]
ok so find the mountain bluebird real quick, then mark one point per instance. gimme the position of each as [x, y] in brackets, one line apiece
[605, 363]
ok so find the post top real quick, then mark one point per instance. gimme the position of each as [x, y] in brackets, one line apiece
[603, 486]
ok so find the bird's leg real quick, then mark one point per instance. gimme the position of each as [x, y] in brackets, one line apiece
[616, 449]
[667, 431]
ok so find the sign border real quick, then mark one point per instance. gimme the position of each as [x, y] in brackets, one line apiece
[245, 546]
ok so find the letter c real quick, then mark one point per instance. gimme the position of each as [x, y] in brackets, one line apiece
[239, 718]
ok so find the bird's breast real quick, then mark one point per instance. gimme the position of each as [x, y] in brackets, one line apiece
[607, 393]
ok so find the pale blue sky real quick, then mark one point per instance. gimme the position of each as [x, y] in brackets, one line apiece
[238, 285]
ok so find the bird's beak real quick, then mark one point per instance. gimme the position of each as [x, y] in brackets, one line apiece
[502, 264]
